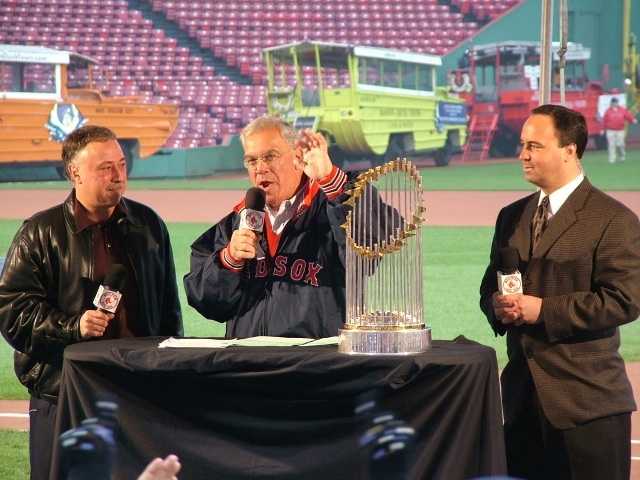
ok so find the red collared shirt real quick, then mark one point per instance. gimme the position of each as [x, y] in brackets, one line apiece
[615, 118]
[108, 249]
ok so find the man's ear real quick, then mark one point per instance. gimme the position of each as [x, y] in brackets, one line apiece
[570, 152]
[298, 156]
[74, 173]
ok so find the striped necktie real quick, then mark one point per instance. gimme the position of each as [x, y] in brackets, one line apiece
[539, 223]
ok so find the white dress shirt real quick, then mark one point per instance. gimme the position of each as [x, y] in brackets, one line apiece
[280, 217]
[557, 198]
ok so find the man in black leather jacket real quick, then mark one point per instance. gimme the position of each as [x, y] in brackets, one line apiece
[58, 259]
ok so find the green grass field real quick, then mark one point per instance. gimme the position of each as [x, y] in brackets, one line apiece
[497, 176]
[454, 261]
[14, 455]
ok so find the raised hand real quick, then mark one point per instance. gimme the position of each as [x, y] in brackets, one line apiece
[312, 155]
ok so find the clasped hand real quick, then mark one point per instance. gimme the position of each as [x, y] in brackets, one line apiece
[517, 309]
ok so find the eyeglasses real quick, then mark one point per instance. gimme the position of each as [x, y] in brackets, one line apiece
[269, 158]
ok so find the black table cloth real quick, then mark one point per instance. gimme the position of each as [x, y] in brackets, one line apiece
[288, 412]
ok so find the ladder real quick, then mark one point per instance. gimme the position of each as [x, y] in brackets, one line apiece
[481, 130]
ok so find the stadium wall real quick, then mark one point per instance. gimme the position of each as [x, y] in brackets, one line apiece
[594, 23]
[194, 162]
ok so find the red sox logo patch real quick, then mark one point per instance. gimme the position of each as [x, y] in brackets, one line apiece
[254, 220]
[109, 300]
[299, 270]
[512, 284]
[106, 299]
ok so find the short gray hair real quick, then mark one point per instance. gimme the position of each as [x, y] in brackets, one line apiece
[269, 122]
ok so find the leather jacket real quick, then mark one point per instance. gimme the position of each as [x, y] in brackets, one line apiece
[48, 282]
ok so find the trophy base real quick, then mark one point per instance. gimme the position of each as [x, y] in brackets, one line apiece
[371, 341]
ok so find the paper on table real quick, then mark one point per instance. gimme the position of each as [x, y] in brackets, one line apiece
[261, 341]
[195, 343]
[265, 341]
[322, 341]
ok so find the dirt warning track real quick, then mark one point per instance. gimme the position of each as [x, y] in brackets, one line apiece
[444, 208]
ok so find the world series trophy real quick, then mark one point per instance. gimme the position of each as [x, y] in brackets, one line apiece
[384, 313]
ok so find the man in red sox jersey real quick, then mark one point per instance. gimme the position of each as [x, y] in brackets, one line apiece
[298, 289]
[614, 121]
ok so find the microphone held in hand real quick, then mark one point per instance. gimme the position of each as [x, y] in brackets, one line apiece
[509, 278]
[252, 216]
[109, 293]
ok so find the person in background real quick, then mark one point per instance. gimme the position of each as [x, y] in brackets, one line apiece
[614, 120]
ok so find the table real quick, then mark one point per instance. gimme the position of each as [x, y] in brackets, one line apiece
[287, 412]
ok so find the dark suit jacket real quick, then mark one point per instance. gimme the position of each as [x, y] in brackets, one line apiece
[586, 269]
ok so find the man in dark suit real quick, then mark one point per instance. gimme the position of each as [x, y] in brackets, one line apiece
[565, 394]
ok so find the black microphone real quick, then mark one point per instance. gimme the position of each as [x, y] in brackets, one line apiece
[109, 293]
[509, 278]
[252, 216]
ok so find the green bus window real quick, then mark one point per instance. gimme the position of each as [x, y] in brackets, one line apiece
[425, 78]
[310, 94]
[334, 78]
[373, 72]
[391, 74]
[362, 70]
[409, 76]
[283, 72]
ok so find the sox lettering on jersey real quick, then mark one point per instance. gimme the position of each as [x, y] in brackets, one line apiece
[299, 270]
